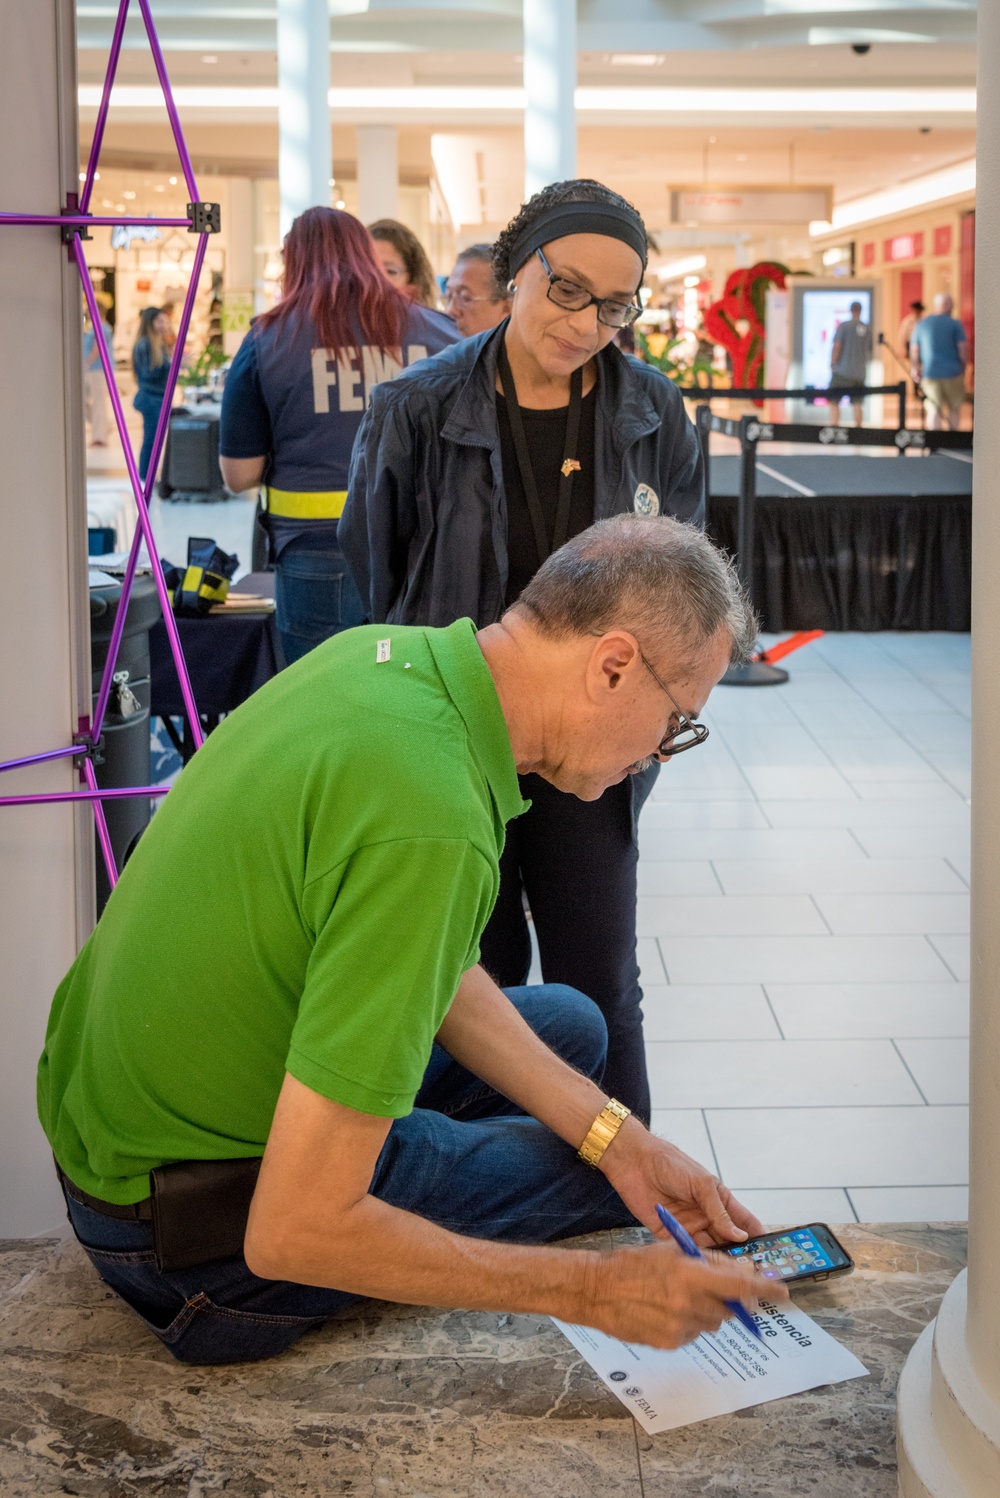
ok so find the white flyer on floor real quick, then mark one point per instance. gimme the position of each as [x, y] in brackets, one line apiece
[721, 1372]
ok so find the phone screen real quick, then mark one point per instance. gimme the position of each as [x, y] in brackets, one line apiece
[799, 1253]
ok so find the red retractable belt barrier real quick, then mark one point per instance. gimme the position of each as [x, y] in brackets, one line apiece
[785, 647]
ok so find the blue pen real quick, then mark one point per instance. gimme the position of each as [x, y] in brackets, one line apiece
[687, 1243]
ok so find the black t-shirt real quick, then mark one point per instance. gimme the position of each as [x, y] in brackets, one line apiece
[545, 434]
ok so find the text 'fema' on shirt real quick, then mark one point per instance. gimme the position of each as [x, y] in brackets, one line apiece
[354, 372]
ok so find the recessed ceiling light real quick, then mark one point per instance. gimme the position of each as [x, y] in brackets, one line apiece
[712, 139]
[172, 181]
[211, 57]
[636, 59]
[340, 203]
[159, 187]
[97, 176]
[128, 195]
[83, 176]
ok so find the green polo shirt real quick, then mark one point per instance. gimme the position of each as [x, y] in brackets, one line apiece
[306, 899]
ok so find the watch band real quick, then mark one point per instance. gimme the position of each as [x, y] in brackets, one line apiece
[603, 1130]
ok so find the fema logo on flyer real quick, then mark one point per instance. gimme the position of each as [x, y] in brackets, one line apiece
[618, 1376]
[647, 501]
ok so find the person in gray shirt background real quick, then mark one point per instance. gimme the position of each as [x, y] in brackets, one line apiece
[849, 358]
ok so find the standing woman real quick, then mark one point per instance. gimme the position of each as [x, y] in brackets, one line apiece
[151, 363]
[404, 260]
[466, 475]
[294, 400]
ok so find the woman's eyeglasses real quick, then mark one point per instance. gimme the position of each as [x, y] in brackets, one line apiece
[567, 294]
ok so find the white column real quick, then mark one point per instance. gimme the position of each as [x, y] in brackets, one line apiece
[305, 158]
[238, 233]
[549, 86]
[378, 172]
[46, 852]
[949, 1394]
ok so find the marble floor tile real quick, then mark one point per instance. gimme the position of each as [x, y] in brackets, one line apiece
[799, 784]
[686, 1128]
[663, 877]
[785, 1147]
[891, 1010]
[832, 876]
[651, 969]
[834, 1442]
[885, 914]
[666, 816]
[940, 1067]
[776, 1074]
[436, 1404]
[949, 812]
[910, 842]
[730, 915]
[787, 1209]
[832, 842]
[882, 790]
[708, 1011]
[801, 959]
[954, 950]
[910, 1203]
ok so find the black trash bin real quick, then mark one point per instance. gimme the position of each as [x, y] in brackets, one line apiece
[126, 723]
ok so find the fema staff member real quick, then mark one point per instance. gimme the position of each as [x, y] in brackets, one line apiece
[307, 988]
[466, 475]
[294, 400]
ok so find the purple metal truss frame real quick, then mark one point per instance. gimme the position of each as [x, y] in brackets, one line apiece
[72, 223]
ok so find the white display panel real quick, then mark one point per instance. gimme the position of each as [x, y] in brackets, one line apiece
[823, 310]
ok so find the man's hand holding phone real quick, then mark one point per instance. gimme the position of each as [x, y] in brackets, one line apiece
[645, 1170]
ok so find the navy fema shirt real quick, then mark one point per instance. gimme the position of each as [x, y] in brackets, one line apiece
[296, 402]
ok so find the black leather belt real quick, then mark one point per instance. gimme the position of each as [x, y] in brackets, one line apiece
[127, 1212]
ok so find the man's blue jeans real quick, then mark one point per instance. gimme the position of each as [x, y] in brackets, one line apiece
[465, 1158]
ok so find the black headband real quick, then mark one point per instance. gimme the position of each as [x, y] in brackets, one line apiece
[580, 218]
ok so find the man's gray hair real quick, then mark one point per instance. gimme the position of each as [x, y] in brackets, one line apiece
[661, 580]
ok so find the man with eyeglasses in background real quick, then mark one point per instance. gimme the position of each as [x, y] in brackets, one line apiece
[465, 477]
[471, 295]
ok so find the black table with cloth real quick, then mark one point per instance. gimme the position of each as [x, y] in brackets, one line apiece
[873, 543]
[228, 655]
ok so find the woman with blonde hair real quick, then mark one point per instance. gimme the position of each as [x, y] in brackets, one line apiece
[151, 363]
[404, 260]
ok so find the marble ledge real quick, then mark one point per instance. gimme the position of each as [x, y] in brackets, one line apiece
[399, 1402]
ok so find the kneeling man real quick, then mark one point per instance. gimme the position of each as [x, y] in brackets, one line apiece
[288, 970]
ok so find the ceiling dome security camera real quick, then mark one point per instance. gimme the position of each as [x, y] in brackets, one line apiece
[861, 49]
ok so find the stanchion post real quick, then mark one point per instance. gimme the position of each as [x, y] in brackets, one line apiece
[901, 397]
[703, 427]
[754, 673]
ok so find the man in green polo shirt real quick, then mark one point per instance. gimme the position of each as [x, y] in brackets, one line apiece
[288, 970]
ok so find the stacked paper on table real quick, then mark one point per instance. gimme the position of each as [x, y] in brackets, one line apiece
[721, 1372]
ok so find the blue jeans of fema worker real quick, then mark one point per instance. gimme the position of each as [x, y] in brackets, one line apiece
[465, 1158]
[314, 594]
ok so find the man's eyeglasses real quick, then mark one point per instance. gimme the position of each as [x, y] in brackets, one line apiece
[462, 298]
[688, 732]
[567, 294]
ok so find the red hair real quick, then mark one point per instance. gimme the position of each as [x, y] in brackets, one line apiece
[333, 279]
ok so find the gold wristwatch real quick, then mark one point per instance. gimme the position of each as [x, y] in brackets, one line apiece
[602, 1131]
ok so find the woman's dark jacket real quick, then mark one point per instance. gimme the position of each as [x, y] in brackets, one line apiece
[424, 529]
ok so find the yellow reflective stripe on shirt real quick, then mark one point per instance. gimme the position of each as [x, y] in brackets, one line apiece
[327, 504]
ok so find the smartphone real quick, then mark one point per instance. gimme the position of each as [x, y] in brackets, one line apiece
[797, 1255]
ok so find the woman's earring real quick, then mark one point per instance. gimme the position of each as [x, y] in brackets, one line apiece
[511, 287]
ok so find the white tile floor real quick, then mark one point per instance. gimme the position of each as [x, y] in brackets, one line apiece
[803, 924]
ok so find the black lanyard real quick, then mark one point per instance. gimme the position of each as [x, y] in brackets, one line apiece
[570, 466]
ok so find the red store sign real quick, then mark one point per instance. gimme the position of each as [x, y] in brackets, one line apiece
[904, 247]
[942, 239]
